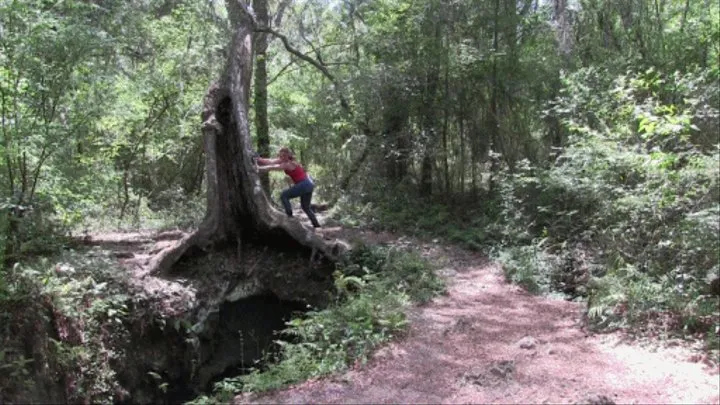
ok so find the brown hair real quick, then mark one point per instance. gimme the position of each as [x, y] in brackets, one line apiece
[287, 150]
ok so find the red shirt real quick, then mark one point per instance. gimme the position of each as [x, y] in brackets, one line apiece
[297, 174]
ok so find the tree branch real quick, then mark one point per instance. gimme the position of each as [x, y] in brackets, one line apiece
[318, 65]
[43, 155]
[318, 55]
[279, 73]
[6, 142]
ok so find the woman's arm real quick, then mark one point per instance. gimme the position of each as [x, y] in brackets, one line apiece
[278, 166]
[263, 161]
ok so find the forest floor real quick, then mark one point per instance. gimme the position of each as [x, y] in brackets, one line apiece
[485, 341]
[488, 341]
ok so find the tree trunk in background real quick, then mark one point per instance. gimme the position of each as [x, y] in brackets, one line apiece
[563, 29]
[426, 181]
[461, 130]
[492, 116]
[262, 127]
[395, 116]
[192, 170]
[479, 144]
[429, 123]
[446, 166]
[238, 210]
[684, 16]
[659, 8]
[515, 135]
[564, 49]
[705, 51]
[403, 146]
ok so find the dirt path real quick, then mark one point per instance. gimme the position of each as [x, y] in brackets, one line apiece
[490, 342]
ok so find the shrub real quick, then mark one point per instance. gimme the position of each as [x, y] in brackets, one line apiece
[29, 230]
[76, 296]
[637, 187]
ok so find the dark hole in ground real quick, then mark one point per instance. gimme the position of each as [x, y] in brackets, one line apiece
[245, 331]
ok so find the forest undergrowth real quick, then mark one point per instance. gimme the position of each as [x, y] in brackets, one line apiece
[625, 218]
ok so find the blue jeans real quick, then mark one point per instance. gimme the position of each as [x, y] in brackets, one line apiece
[304, 190]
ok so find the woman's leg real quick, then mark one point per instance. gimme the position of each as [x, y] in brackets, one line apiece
[292, 192]
[305, 204]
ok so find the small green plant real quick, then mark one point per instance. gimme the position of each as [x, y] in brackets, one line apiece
[14, 366]
[29, 230]
[531, 266]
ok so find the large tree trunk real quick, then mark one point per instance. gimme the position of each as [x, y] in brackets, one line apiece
[238, 210]
[261, 96]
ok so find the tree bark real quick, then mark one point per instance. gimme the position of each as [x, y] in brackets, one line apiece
[564, 39]
[262, 128]
[395, 117]
[684, 16]
[446, 166]
[429, 123]
[492, 117]
[461, 134]
[238, 210]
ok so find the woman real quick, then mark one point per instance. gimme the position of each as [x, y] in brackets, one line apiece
[302, 187]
